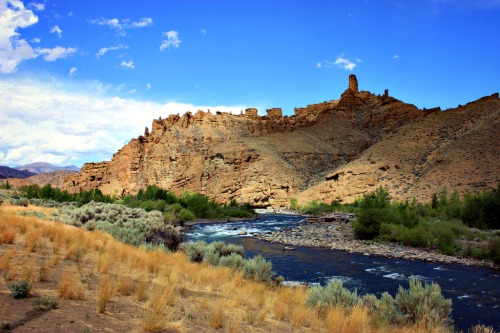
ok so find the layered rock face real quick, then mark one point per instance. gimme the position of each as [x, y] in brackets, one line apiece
[332, 150]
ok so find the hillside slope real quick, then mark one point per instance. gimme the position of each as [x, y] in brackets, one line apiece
[333, 150]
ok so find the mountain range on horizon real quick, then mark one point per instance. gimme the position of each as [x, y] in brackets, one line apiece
[33, 169]
[43, 167]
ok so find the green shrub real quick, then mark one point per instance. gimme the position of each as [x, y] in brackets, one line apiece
[196, 251]
[167, 236]
[19, 202]
[423, 303]
[234, 261]
[368, 222]
[32, 213]
[186, 215]
[133, 226]
[378, 199]
[333, 294]
[19, 289]
[44, 304]
[258, 269]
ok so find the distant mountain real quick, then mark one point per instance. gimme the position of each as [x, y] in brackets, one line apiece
[42, 167]
[6, 172]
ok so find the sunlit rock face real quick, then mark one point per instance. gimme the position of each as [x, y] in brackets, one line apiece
[335, 150]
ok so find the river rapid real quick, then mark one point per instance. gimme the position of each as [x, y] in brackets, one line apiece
[475, 291]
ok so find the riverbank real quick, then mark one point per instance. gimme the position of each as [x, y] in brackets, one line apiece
[339, 236]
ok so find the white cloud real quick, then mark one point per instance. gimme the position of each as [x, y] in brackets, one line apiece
[148, 86]
[57, 52]
[37, 6]
[340, 62]
[345, 63]
[66, 122]
[103, 50]
[143, 22]
[14, 49]
[132, 91]
[203, 31]
[172, 40]
[72, 71]
[128, 64]
[120, 26]
[396, 57]
[36, 40]
[55, 29]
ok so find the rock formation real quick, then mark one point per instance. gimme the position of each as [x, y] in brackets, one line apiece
[337, 149]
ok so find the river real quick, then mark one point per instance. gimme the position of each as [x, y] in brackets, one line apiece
[475, 291]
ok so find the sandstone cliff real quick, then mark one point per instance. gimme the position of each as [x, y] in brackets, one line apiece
[332, 150]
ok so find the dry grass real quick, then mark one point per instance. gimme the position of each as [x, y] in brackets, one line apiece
[181, 296]
[8, 235]
[43, 272]
[216, 317]
[70, 286]
[103, 293]
[124, 285]
[31, 240]
[158, 314]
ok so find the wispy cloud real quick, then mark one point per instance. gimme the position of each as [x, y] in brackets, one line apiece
[172, 40]
[128, 64]
[14, 49]
[56, 30]
[121, 26]
[57, 52]
[72, 71]
[341, 62]
[345, 63]
[37, 6]
[395, 57]
[148, 86]
[102, 51]
[66, 122]
[203, 31]
[143, 22]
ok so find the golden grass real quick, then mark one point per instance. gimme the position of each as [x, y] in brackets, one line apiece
[8, 235]
[70, 286]
[180, 295]
[43, 272]
[6, 259]
[31, 240]
[125, 285]
[141, 290]
[216, 317]
[103, 293]
[158, 314]
[105, 262]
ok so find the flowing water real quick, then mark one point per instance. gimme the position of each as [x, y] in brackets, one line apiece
[475, 291]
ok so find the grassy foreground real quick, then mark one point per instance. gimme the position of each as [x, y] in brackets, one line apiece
[96, 282]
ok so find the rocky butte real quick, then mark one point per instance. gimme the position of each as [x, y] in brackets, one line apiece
[335, 150]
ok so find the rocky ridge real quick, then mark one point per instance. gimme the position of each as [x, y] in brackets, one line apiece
[337, 149]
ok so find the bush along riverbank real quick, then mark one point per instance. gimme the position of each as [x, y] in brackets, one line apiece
[188, 206]
[448, 229]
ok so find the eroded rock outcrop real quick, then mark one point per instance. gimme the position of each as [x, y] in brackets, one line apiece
[337, 149]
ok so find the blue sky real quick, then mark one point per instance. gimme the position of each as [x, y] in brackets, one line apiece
[78, 79]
